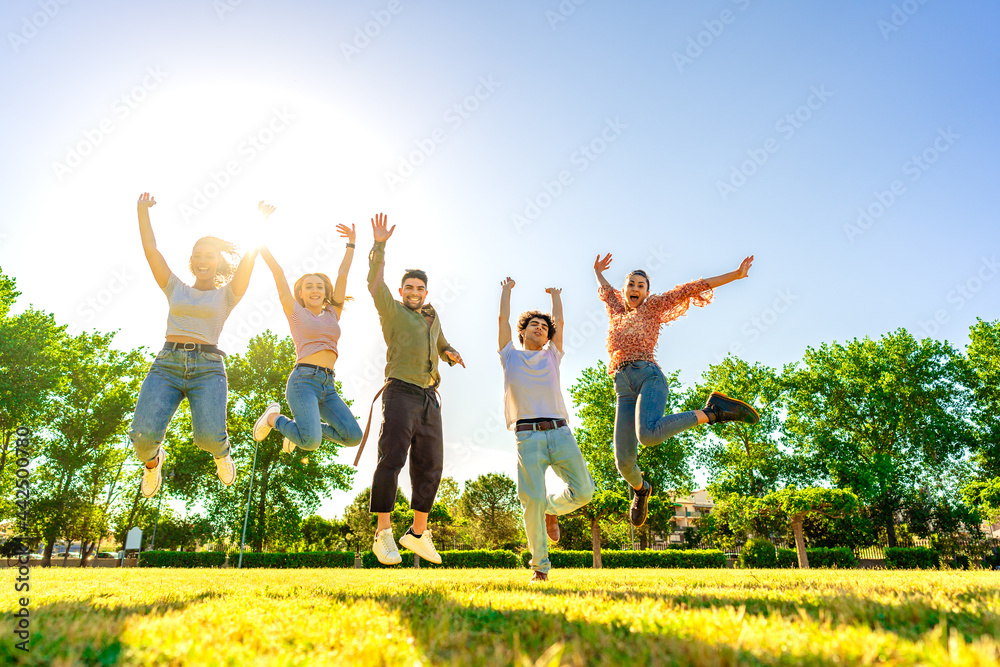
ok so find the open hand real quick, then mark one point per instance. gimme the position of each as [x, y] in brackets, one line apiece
[380, 229]
[602, 265]
[744, 267]
[554, 291]
[146, 200]
[507, 283]
[455, 357]
[265, 209]
[347, 232]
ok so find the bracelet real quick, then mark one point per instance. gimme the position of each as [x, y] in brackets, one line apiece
[350, 245]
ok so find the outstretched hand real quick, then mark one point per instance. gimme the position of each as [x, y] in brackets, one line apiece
[265, 209]
[455, 357]
[602, 265]
[380, 229]
[554, 291]
[507, 283]
[744, 267]
[347, 232]
[146, 200]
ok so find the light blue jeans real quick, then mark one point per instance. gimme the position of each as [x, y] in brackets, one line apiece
[642, 397]
[313, 398]
[174, 375]
[537, 451]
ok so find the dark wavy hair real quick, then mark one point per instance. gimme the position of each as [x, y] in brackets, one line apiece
[522, 323]
[414, 273]
[638, 272]
[229, 255]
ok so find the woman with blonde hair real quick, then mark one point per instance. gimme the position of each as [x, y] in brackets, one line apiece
[313, 309]
[190, 365]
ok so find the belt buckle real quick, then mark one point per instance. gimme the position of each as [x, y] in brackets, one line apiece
[194, 346]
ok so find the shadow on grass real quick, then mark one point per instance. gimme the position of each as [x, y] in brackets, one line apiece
[909, 619]
[84, 632]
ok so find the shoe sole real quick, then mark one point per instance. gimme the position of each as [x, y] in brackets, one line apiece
[409, 542]
[389, 562]
[233, 481]
[736, 400]
[159, 482]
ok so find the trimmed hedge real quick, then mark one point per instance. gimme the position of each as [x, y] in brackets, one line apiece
[838, 557]
[790, 558]
[297, 560]
[758, 553]
[911, 558]
[181, 559]
[667, 558]
[500, 558]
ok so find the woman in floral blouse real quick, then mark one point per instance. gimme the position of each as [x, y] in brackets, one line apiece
[635, 319]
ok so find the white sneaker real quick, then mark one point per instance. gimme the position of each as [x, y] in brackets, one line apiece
[261, 429]
[226, 469]
[288, 446]
[385, 548]
[153, 477]
[422, 546]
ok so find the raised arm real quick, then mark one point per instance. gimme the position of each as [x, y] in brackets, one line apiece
[557, 316]
[340, 287]
[376, 266]
[726, 278]
[241, 279]
[504, 320]
[158, 265]
[600, 266]
[284, 293]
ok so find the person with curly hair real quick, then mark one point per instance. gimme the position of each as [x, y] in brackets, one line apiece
[635, 317]
[190, 365]
[535, 411]
[313, 310]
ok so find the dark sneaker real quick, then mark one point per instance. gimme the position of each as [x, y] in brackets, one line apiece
[640, 505]
[539, 576]
[552, 527]
[721, 408]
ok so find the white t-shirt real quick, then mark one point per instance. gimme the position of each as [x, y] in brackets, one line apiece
[531, 384]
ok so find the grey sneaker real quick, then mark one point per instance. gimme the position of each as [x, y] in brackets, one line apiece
[385, 548]
[152, 478]
[422, 546]
[226, 469]
[640, 505]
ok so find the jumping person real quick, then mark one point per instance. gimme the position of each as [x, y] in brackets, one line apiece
[535, 411]
[313, 314]
[641, 389]
[411, 408]
[189, 365]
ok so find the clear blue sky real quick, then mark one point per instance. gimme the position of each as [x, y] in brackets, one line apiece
[679, 136]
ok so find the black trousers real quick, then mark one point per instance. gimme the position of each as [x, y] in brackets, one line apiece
[411, 424]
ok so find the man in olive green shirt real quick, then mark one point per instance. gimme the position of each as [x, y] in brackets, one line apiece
[411, 408]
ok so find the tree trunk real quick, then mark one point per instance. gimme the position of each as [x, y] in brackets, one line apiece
[800, 542]
[85, 548]
[595, 540]
[47, 556]
[644, 538]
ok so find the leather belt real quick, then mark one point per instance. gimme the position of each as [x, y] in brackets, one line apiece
[541, 426]
[194, 347]
[315, 367]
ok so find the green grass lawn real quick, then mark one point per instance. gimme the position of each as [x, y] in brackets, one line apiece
[494, 617]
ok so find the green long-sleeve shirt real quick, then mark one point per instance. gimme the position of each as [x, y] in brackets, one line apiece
[414, 345]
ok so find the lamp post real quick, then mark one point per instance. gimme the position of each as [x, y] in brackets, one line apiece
[152, 540]
[246, 516]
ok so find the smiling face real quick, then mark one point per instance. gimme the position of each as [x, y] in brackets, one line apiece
[636, 290]
[312, 291]
[204, 262]
[414, 292]
[535, 334]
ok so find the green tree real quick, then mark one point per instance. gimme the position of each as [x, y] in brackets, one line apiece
[286, 489]
[490, 502]
[982, 487]
[880, 417]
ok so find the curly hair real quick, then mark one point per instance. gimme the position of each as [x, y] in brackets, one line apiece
[327, 290]
[228, 253]
[522, 323]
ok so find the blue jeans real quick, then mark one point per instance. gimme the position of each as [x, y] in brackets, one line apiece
[642, 396]
[177, 374]
[536, 451]
[313, 398]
